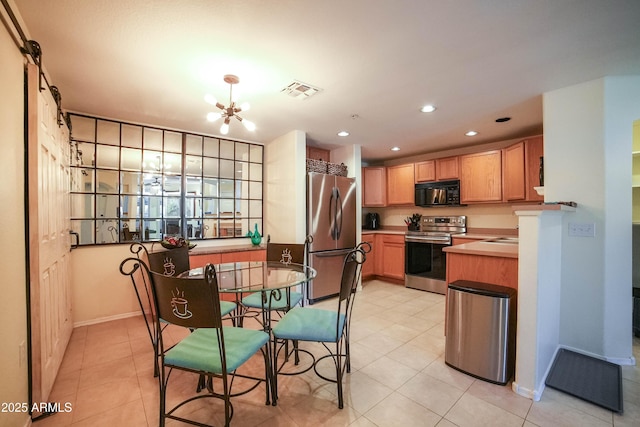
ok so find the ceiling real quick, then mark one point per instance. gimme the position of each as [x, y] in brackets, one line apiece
[376, 63]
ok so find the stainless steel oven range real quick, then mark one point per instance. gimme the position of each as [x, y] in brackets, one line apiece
[425, 262]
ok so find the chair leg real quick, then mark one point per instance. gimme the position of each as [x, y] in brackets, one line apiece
[339, 375]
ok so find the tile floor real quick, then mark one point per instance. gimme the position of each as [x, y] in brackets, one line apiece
[398, 378]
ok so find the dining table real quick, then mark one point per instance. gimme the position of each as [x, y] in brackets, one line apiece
[273, 279]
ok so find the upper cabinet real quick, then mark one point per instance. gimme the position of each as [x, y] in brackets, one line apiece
[437, 170]
[400, 185]
[514, 172]
[481, 177]
[534, 151]
[522, 170]
[447, 168]
[317, 153]
[374, 186]
[425, 171]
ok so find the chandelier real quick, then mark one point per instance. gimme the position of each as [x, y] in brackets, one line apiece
[231, 111]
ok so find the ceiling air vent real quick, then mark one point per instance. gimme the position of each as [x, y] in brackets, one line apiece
[300, 90]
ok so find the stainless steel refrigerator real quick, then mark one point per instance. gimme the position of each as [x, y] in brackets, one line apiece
[331, 222]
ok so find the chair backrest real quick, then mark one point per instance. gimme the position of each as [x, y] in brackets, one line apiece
[138, 272]
[170, 262]
[286, 253]
[351, 269]
[189, 302]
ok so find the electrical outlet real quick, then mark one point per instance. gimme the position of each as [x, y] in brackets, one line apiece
[22, 354]
[582, 229]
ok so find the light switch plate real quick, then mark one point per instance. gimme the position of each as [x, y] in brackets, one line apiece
[585, 229]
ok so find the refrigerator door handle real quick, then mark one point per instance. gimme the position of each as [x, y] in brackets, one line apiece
[338, 214]
[333, 207]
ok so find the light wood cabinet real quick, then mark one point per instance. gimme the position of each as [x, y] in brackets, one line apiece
[447, 168]
[391, 248]
[368, 269]
[400, 185]
[514, 172]
[425, 171]
[374, 186]
[318, 153]
[521, 172]
[236, 256]
[534, 150]
[481, 177]
[438, 169]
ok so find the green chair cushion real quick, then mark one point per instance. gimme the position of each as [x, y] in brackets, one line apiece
[309, 324]
[254, 300]
[226, 307]
[199, 350]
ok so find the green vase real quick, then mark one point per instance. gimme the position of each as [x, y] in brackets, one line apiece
[256, 238]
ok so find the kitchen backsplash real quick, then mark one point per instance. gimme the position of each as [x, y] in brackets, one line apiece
[478, 216]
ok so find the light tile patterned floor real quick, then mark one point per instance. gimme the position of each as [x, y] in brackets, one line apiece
[398, 378]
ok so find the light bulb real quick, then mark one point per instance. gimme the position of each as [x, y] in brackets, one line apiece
[249, 125]
[212, 117]
[224, 129]
[210, 99]
[245, 106]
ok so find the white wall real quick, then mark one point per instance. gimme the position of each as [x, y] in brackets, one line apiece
[13, 304]
[588, 134]
[285, 188]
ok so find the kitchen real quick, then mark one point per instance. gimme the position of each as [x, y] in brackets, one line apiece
[565, 135]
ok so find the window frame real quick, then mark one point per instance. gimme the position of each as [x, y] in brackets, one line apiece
[132, 182]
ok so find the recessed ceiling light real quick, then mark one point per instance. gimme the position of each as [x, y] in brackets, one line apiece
[471, 133]
[343, 133]
[428, 108]
[503, 119]
[395, 149]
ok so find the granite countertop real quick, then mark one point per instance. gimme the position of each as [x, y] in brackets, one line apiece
[389, 229]
[490, 247]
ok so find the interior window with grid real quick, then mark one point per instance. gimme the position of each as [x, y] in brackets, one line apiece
[138, 183]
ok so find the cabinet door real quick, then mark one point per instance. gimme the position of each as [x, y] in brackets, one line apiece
[534, 151]
[400, 185]
[426, 171]
[447, 168]
[514, 172]
[481, 177]
[368, 269]
[393, 256]
[374, 186]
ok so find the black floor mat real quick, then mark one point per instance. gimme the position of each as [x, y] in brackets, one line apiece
[594, 380]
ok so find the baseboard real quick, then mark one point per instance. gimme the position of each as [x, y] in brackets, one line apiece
[623, 361]
[106, 319]
[534, 395]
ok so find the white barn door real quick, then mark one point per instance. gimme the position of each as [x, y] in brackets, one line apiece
[49, 241]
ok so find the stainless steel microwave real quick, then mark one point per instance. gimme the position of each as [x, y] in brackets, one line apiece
[441, 193]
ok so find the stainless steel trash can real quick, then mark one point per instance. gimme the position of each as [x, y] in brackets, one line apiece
[480, 332]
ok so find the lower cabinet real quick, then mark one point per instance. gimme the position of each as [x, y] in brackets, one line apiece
[392, 248]
[386, 259]
[222, 257]
[368, 269]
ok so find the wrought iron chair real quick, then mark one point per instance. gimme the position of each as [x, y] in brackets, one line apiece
[212, 350]
[172, 262]
[141, 282]
[324, 326]
[287, 253]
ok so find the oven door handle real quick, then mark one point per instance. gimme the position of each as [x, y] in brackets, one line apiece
[442, 241]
